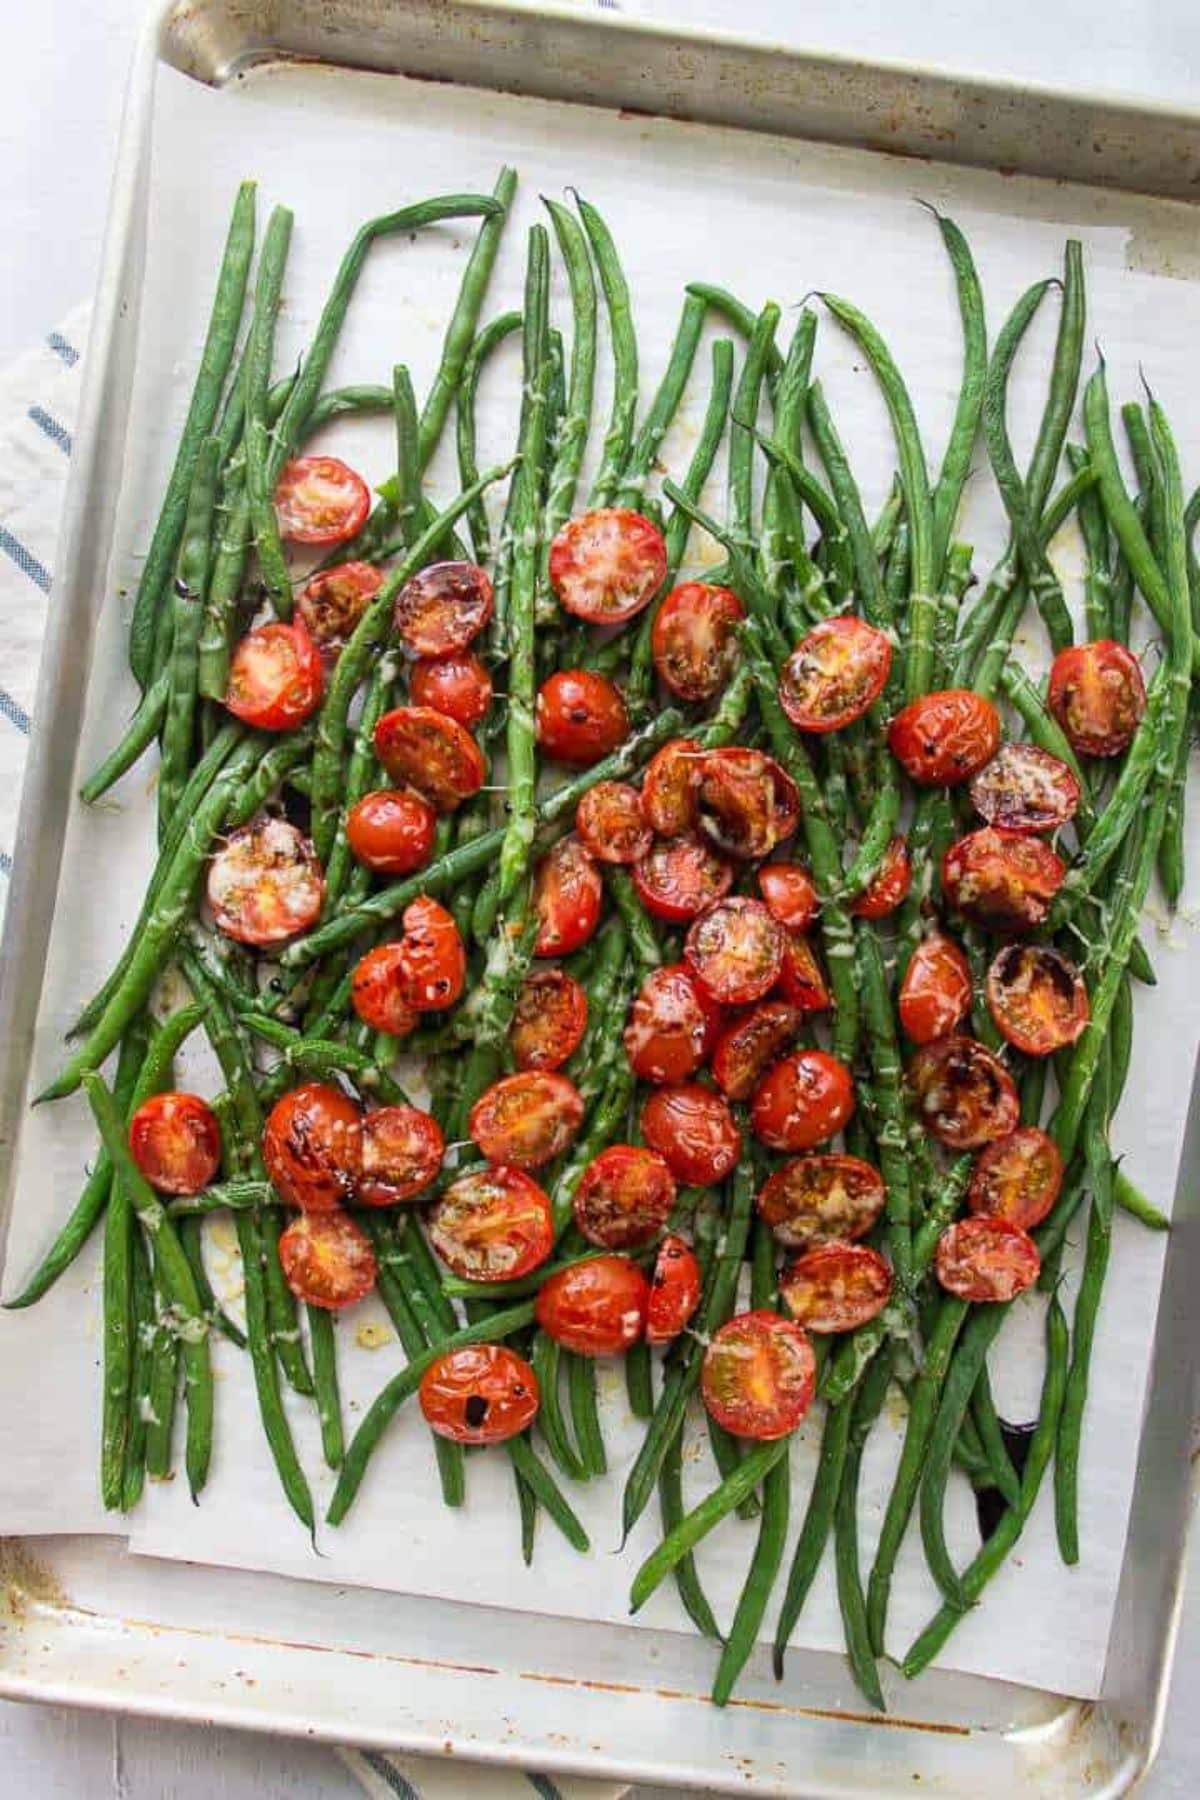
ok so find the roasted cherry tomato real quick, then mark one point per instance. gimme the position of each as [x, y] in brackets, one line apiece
[492, 1224]
[680, 878]
[433, 960]
[265, 883]
[935, 994]
[669, 788]
[391, 831]
[427, 750]
[580, 717]
[694, 639]
[790, 894]
[802, 1101]
[674, 1290]
[672, 1026]
[836, 1287]
[1018, 1178]
[275, 678]
[402, 1150]
[379, 991]
[479, 1394]
[319, 500]
[567, 896]
[526, 1120]
[746, 1051]
[335, 600]
[611, 824]
[745, 803]
[606, 566]
[1003, 880]
[986, 1259]
[549, 1021]
[312, 1146]
[176, 1142]
[595, 1308]
[824, 1199]
[693, 1129]
[624, 1198]
[1025, 789]
[888, 886]
[942, 739]
[327, 1259]
[1037, 997]
[735, 951]
[802, 981]
[964, 1095]
[1097, 694]
[443, 608]
[837, 670]
[458, 686]
[759, 1376]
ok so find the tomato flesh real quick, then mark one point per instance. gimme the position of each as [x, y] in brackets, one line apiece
[802, 981]
[987, 1260]
[964, 1095]
[680, 878]
[175, 1141]
[1018, 1178]
[426, 750]
[624, 1198]
[745, 803]
[433, 962]
[312, 1146]
[265, 884]
[327, 1259]
[567, 897]
[888, 886]
[526, 1120]
[747, 1049]
[391, 831]
[1025, 789]
[595, 1308]
[669, 788]
[320, 500]
[1003, 880]
[379, 991]
[442, 609]
[1037, 997]
[334, 601]
[694, 640]
[458, 686]
[402, 1150]
[802, 1101]
[674, 1290]
[479, 1394]
[275, 678]
[837, 670]
[672, 1025]
[735, 951]
[580, 717]
[694, 1130]
[606, 566]
[1097, 694]
[759, 1376]
[942, 739]
[549, 1021]
[492, 1224]
[836, 1287]
[611, 824]
[790, 894]
[935, 994]
[823, 1199]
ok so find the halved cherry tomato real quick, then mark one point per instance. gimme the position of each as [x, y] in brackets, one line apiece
[802, 1101]
[402, 1150]
[680, 878]
[837, 670]
[888, 886]
[1018, 1178]
[320, 500]
[526, 1120]
[1003, 880]
[611, 824]
[567, 896]
[580, 717]
[693, 1129]
[790, 894]
[379, 991]
[672, 1025]
[836, 1287]
[595, 1308]
[1037, 997]
[392, 831]
[275, 678]
[606, 566]
[1097, 694]
[327, 1259]
[746, 1051]
[986, 1259]
[694, 639]
[335, 600]
[624, 1198]
[458, 686]
[426, 750]
[1025, 789]
[492, 1224]
[965, 1096]
[442, 608]
[312, 1146]
[674, 1290]
[265, 884]
[479, 1394]
[759, 1376]
[735, 951]
[549, 1021]
[823, 1199]
[175, 1140]
[943, 738]
[935, 995]
[433, 961]
[669, 788]
[745, 802]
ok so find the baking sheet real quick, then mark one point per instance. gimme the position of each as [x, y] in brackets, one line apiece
[338, 147]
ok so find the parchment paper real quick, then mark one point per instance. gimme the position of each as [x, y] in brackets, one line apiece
[767, 218]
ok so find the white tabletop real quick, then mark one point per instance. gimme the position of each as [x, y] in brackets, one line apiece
[66, 72]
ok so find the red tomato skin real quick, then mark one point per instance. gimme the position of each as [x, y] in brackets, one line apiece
[694, 640]
[1025, 789]
[1097, 694]
[680, 878]
[458, 686]
[793, 1373]
[304, 518]
[595, 1308]
[674, 1290]
[624, 1198]
[402, 1150]
[327, 1259]
[942, 739]
[312, 1147]
[812, 689]
[275, 678]
[860, 1273]
[822, 1199]
[462, 1227]
[526, 1120]
[964, 1095]
[746, 1050]
[790, 894]
[1003, 880]
[693, 1130]
[426, 750]
[889, 886]
[567, 898]
[334, 601]
[935, 994]
[433, 961]
[1017, 1178]
[803, 1101]
[745, 803]
[672, 1025]
[550, 1019]
[392, 831]
[442, 608]
[581, 717]
[802, 981]
[175, 1140]
[479, 1394]
[265, 884]
[611, 824]
[669, 788]
[1051, 990]
[607, 565]
[986, 1259]
[379, 992]
[735, 951]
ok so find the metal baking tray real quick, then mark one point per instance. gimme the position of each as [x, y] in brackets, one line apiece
[82, 1621]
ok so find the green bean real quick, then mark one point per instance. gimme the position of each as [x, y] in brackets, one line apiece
[1087, 1306]
[956, 462]
[736, 313]
[891, 1137]
[867, 579]
[665, 404]
[745, 419]
[139, 1391]
[546, 1360]
[572, 438]
[162, 1391]
[818, 1522]
[191, 586]
[191, 1236]
[266, 1370]
[642, 932]
[539, 1479]
[696, 1524]
[1170, 849]
[585, 1417]
[407, 505]
[1097, 585]
[967, 1369]
[855, 1618]
[1131, 1200]
[687, 1580]
[143, 729]
[614, 454]
[256, 375]
[834, 536]
[323, 1341]
[528, 1507]
[639, 1381]
[119, 1346]
[488, 341]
